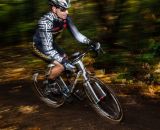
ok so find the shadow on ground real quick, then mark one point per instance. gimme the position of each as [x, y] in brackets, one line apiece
[20, 109]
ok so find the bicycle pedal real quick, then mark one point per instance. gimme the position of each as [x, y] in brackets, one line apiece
[45, 82]
[69, 99]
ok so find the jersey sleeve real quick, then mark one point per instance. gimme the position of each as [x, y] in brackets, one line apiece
[77, 35]
[45, 33]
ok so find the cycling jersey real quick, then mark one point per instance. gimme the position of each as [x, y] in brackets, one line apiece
[48, 27]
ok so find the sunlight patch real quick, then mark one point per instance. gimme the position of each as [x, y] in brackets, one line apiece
[10, 128]
[4, 110]
[153, 90]
[34, 128]
[157, 68]
[28, 109]
[18, 70]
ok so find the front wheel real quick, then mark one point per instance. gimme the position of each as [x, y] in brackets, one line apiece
[108, 107]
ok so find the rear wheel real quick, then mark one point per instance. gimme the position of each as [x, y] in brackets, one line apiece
[108, 107]
[46, 92]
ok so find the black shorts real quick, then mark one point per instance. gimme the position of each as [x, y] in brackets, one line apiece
[42, 55]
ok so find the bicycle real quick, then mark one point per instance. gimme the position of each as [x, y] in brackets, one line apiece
[101, 97]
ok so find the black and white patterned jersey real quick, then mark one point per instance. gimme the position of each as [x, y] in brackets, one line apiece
[48, 27]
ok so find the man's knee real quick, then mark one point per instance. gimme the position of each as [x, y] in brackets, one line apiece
[58, 66]
[56, 70]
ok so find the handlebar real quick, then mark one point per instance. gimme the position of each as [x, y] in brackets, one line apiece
[78, 56]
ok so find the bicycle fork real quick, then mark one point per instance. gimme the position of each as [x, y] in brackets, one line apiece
[96, 99]
[88, 86]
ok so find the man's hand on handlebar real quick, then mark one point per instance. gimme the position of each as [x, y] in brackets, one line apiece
[67, 65]
[96, 46]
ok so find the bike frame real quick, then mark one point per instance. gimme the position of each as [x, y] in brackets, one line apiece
[82, 72]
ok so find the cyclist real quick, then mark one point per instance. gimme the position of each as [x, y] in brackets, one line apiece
[51, 24]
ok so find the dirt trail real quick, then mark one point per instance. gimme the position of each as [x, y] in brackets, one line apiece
[20, 109]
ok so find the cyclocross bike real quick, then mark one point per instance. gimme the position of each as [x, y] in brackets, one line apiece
[101, 97]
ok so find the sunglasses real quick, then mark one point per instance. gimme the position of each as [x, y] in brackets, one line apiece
[62, 9]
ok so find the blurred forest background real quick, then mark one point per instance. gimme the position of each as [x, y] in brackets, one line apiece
[127, 29]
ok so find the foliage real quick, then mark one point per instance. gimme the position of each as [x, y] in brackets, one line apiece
[128, 30]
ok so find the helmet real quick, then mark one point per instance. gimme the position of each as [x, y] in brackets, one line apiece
[60, 3]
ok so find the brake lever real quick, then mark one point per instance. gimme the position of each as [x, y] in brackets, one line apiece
[103, 52]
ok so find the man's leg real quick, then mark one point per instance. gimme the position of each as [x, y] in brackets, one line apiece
[56, 70]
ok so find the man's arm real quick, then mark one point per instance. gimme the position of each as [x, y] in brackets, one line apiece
[78, 36]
